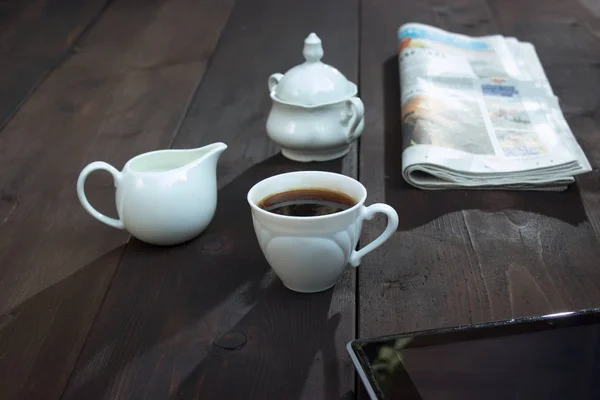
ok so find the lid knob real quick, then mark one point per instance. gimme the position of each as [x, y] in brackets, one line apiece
[313, 51]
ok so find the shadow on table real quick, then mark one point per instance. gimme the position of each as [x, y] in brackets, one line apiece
[270, 351]
[417, 207]
[43, 335]
[159, 315]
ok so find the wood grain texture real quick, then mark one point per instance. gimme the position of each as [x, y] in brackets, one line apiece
[35, 35]
[57, 261]
[461, 256]
[208, 319]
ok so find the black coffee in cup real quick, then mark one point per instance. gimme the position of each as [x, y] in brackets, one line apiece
[307, 202]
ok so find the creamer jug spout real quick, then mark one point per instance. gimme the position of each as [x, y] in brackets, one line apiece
[208, 156]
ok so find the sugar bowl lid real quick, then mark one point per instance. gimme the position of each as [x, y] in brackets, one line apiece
[311, 83]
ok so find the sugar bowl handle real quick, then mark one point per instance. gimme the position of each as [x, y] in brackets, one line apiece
[355, 110]
[274, 81]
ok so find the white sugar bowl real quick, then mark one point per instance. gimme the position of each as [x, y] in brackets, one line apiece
[315, 113]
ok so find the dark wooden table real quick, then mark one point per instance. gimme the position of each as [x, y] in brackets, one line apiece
[88, 313]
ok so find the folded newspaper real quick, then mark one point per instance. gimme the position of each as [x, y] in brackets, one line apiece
[479, 112]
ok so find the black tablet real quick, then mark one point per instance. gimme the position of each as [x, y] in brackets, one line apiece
[554, 356]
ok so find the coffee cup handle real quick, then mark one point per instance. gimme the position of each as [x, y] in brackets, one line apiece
[392, 225]
[97, 165]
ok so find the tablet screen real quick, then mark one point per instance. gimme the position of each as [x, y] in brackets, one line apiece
[532, 360]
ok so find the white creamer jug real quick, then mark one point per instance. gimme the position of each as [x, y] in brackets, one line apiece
[163, 197]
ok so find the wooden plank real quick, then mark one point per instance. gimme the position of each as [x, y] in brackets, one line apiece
[34, 36]
[208, 319]
[57, 261]
[458, 256]
[567, 39]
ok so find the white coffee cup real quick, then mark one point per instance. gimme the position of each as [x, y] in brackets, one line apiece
[309, 254]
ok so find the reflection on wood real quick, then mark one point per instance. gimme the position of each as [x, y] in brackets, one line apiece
[461, 256]
[57, 262]
[208, 319]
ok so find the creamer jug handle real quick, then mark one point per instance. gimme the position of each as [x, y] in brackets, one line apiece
[98, 165]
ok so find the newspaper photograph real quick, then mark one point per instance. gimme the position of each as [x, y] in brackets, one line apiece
[480, 113]
[432, 120]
